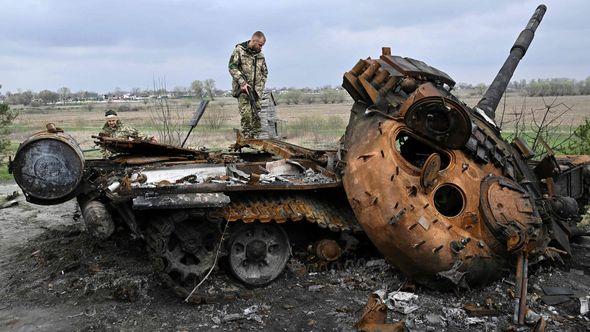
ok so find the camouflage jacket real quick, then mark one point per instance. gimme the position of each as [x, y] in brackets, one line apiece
[246, 65]
[122, 131]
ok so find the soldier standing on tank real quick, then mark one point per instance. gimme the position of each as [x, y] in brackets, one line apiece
[247, 67]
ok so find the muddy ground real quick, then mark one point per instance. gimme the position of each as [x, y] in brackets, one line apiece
[53, 277]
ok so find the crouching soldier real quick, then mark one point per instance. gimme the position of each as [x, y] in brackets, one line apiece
[115, 128]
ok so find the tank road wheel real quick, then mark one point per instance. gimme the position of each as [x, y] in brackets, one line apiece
[182, 251]
[258, 253]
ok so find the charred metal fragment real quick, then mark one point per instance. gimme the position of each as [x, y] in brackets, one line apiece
[146, 148]
[455, 275]
[181, 201]
[285, 150]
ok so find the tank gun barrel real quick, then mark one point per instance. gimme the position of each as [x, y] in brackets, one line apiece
[492, 96]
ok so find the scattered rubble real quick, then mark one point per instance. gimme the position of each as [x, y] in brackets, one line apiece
[474, 310]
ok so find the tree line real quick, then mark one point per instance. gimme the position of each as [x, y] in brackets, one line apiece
[327, 94]
[45, 97]
[556, 87]
[323, 95]
[199, 89]
[539, 87]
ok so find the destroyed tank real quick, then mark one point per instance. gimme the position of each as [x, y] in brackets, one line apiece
[430, 181]
[192, 207]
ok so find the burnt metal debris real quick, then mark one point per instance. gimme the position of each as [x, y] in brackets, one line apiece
[429, 180]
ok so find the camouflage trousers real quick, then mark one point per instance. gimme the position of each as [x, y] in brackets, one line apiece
[250, 120]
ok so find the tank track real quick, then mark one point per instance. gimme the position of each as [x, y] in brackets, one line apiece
[331, 214]
[282, 208]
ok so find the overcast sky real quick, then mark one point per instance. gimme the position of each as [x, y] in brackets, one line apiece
[99, 45]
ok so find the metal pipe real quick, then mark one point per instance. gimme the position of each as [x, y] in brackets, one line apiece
[521, 282]
[492, 96]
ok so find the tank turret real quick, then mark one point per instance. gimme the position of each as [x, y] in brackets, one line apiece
[432, 182]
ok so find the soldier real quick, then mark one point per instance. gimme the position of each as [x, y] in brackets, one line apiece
[115, 128]
[247, 67]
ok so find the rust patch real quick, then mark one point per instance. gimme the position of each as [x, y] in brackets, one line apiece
[146, 148]
[283, 208]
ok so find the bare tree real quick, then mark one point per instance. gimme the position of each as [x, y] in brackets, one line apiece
[198, 89]
[48, 96]
[167, 120]
[542, 125]
[178, 91]
[64, 93]
[209, 85]
[118, 92]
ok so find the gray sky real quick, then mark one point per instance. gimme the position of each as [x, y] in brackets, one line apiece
[99, 45]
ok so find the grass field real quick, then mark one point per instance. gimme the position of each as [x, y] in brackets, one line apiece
[310, 125]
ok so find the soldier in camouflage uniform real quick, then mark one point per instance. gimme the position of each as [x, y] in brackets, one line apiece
[115, 128]
[247, 67]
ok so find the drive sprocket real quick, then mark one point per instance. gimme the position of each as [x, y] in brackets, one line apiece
[182, 247]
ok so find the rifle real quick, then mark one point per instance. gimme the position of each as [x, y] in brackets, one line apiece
[196, 118]
[252, 95]
[252, 98]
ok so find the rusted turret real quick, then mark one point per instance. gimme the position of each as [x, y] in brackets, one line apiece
[434, 185]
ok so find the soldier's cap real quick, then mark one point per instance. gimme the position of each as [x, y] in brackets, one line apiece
[110, 114]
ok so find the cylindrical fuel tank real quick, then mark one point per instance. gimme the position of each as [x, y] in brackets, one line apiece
[48, 167]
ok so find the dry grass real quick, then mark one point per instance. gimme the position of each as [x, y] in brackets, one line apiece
[580, 108]
[311, 125]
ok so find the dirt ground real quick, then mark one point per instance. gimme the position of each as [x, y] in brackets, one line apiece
[55, 277]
